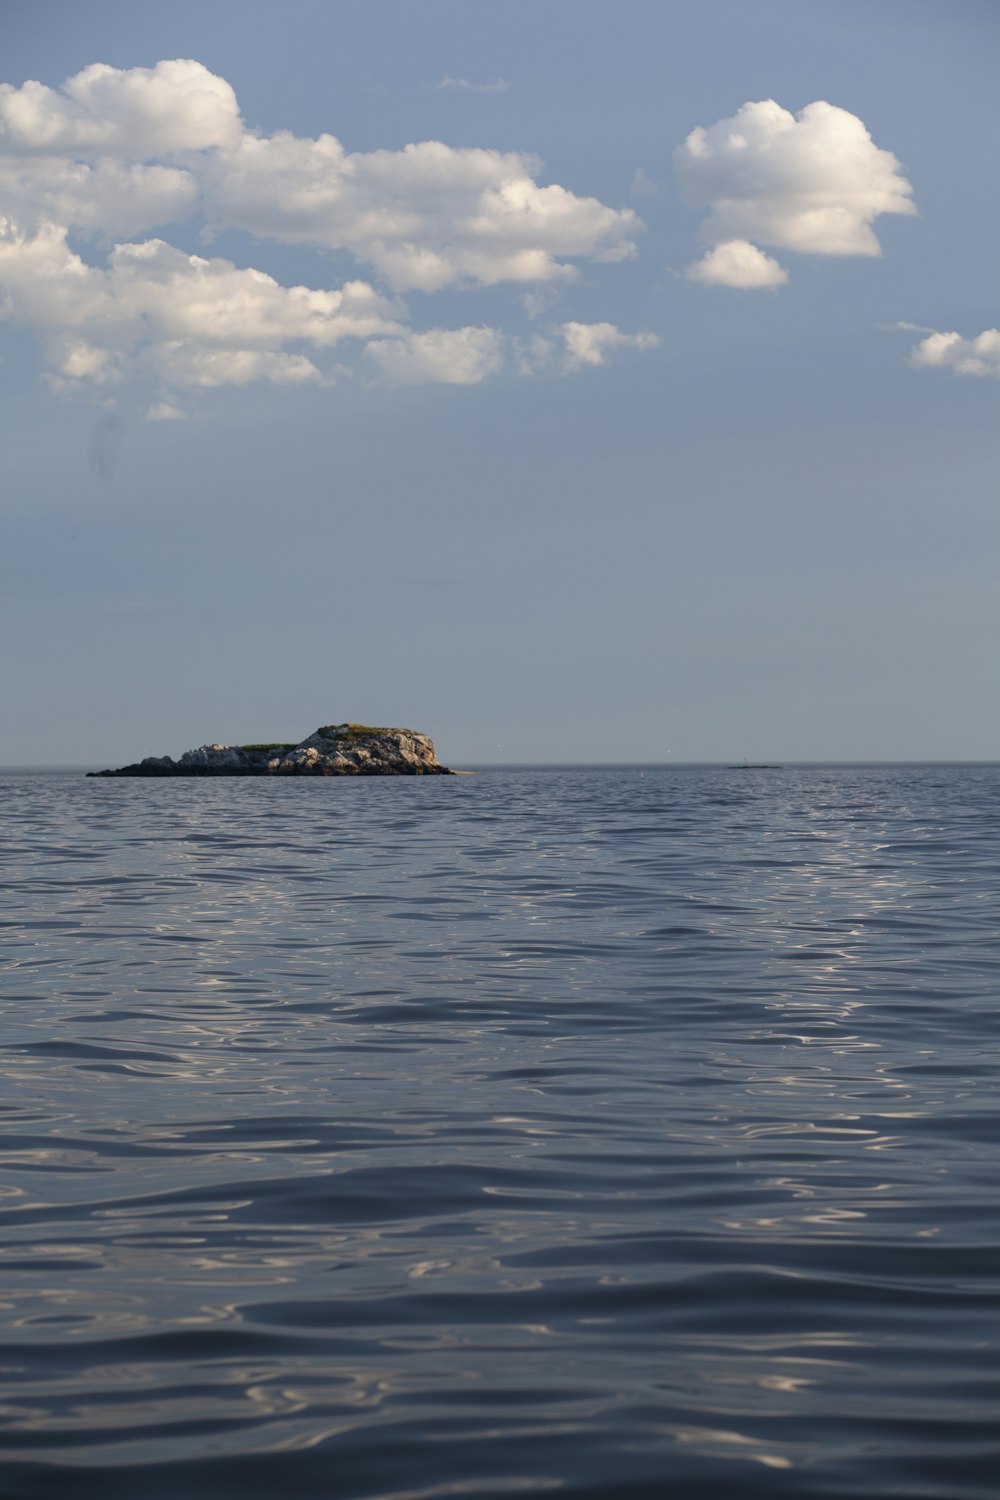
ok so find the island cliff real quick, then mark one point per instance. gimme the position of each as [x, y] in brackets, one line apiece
[334, 750]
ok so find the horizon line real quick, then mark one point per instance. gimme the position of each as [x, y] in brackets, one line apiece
[532, 765]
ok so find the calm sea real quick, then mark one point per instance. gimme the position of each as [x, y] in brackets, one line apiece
[602, 1132]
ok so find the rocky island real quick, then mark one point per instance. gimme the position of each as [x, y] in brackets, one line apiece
[334, 750]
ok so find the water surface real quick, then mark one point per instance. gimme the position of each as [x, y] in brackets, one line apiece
[604, 1132]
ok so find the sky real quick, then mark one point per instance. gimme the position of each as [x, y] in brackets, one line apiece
[571, 382]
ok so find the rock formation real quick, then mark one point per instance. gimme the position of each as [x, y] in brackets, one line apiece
[334, 750]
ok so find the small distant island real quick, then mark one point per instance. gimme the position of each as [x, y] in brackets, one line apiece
[334, 750]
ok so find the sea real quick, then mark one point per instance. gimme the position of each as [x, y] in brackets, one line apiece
[614, 1133]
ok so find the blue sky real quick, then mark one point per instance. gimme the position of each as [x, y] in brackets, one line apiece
[557, 439]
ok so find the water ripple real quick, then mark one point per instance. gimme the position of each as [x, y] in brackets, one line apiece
[616, 1132]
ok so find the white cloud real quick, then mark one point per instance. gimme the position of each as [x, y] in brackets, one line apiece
[106, 198]
[812, 183]
[737, 263]
[452, 356]
[116, 152]
[189, 320]
[125, 150]
[46, 285]
[500, 86]
[950, 351]
[215, 302]
[588, 343]
[178, 362]
[132, 112]
[77, 360]
[164, 411]
[468, 356]
[426, 217]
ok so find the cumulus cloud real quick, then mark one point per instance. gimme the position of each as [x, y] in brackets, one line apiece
[589, 343]
[126, 150]
[46, 284]
[131, 112]
[450, 356]
[737, 263]
[950, 351]
[102, 198]
[188, 320]
[77, 360]
[468, 356]
[811, 183]
[115, 153]
[179, 362]
[426, 217]
[215, 302]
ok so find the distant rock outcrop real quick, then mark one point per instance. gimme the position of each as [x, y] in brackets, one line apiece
[334, 750]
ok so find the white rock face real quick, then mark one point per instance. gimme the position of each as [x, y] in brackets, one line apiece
[216, 756]
[340, 749]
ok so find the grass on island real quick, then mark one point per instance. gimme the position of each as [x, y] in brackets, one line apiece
[340, 731]
[350, 731]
